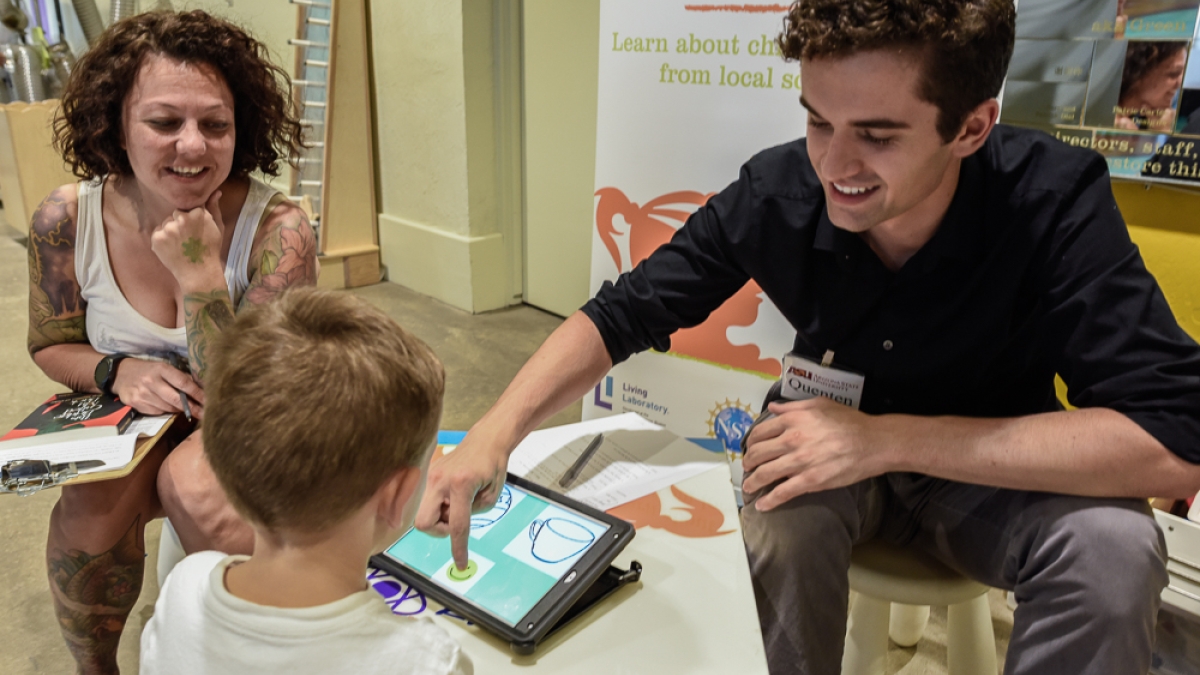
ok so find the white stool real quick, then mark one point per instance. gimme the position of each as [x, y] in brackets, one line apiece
[170, 551]
[882, 575]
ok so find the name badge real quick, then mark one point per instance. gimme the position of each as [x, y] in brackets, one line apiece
[804, 379]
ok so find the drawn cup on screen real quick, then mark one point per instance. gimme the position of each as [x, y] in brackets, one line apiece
[503, 503]
[557, 539]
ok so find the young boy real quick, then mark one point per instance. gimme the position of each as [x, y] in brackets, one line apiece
[321, 417]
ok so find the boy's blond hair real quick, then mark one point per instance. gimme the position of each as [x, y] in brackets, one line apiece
[312, 402]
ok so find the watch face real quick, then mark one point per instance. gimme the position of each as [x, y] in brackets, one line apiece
[105, 370]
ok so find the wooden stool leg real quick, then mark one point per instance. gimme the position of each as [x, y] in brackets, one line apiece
[908, 623]
[970, 642]
[867, 637]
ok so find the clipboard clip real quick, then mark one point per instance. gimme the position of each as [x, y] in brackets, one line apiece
[24, 477]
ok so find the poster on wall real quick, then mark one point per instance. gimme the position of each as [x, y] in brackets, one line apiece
[1119, 76]
[687, 93]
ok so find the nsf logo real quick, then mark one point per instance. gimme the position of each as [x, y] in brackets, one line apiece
[728, 422]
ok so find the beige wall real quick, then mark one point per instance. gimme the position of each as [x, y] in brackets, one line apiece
[420, 106]
[479, 96]
[561, 66]
[440, 231]
[271, 21]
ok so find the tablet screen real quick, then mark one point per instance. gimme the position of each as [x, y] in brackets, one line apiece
[518, 552]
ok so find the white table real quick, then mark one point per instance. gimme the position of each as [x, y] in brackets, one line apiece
[692, 612]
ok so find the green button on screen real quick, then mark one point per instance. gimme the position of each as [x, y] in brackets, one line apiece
[456, 574]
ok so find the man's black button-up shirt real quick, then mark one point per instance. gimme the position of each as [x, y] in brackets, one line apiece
[1030, 273]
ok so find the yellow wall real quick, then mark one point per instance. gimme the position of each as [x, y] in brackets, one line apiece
[1165, 223]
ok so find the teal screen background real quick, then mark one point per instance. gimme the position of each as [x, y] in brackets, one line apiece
[512, 583]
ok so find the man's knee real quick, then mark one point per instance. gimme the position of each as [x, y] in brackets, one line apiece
[811, 523]
[1113, 552]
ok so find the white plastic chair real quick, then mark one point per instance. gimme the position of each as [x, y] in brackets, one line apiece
[170, 551]
[895, 588]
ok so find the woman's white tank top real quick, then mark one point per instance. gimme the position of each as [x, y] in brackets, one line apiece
[113, 325]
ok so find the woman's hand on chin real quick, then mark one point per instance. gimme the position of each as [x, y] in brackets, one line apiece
[189, 245]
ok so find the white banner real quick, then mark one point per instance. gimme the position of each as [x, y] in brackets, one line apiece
[687, 94]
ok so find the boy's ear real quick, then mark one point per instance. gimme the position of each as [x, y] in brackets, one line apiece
[396, 496]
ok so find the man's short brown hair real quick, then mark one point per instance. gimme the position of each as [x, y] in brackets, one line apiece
[965, 45]
[312, 402]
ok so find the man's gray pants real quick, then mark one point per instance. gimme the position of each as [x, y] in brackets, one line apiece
[1087, 572]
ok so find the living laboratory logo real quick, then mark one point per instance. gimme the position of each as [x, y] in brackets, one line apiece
[604, 394]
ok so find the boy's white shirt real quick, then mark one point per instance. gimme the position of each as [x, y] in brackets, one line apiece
[200, 627]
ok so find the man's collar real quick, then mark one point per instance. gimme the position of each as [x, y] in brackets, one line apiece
[828, 237]
[960, 235]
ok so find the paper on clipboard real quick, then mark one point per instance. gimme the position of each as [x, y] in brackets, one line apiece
[114, 451]
[146, 426]
[636, 458]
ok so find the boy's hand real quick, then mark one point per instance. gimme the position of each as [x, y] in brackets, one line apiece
[466, 481]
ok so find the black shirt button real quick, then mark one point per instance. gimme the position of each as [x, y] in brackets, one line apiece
[887, 345]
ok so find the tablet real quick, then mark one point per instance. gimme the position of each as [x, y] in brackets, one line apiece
[532, 556]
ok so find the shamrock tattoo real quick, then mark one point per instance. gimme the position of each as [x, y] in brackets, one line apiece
[193, 250]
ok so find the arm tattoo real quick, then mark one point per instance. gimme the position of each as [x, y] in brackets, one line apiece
[205, 315]
[289, 258]
[56, 307]
[93, 595]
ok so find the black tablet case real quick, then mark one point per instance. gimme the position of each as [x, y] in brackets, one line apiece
[589, 582]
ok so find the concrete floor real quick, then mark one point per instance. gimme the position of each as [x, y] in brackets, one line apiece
[481, 354]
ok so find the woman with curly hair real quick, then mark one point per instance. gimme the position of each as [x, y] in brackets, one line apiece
[134, 269]
[1150, 81]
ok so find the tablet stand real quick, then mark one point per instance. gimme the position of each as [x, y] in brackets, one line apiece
[604, 586]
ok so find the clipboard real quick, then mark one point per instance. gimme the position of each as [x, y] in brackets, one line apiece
[33, 476]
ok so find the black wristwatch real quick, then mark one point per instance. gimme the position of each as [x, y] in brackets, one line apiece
[106, 372]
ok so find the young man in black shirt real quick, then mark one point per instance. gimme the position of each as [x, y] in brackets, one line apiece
[958, 266]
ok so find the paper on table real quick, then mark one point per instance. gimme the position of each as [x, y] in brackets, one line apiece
[146, 426]
[636, 458]
[114, 451]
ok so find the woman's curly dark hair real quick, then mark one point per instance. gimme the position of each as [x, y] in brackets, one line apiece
[87, 129]
[966, 44]
[1141, 57]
